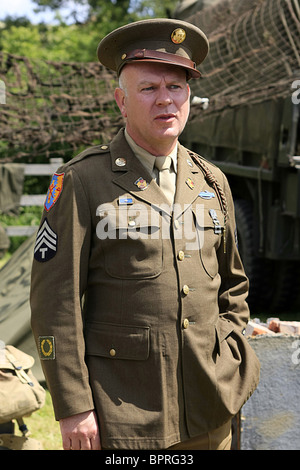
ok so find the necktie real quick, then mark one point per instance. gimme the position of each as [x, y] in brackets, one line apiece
[166, 178]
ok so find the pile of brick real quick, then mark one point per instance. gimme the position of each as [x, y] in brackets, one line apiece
[273, 326]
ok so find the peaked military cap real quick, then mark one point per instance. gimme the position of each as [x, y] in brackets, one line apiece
[160, 40]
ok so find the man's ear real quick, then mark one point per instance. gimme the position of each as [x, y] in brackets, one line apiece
[120, 100]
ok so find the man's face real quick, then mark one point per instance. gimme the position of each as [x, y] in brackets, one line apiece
[155, 102]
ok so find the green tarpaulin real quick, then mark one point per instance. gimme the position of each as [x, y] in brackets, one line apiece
[14, 303]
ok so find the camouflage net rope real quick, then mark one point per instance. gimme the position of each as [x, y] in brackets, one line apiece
[254, 51]
[54, 109]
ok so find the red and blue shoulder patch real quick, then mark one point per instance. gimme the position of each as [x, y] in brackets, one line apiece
[54, 191]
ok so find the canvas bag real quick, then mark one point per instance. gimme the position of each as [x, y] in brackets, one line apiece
[20, 392]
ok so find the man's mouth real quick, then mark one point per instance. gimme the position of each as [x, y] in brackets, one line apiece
[165, 117]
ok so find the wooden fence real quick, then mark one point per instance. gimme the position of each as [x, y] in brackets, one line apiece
[33, 169]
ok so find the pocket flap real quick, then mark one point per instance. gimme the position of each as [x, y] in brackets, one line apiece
[224, 328]
[213, 218]
[116, 341]
[209, 218]
[134, 217]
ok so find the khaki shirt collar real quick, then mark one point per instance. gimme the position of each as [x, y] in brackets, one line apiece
[146, 158]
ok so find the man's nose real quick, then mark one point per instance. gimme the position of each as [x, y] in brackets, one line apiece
[164, 97]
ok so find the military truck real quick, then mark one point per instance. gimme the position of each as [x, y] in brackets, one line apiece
[245, 119]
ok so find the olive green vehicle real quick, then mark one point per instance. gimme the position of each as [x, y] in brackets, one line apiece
[245, 119]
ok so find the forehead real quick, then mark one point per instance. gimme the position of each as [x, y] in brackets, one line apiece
[153, 71]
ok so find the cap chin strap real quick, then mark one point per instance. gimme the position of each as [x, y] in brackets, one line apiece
[148, 54]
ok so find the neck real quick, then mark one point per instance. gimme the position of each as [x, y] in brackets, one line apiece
[163, 147]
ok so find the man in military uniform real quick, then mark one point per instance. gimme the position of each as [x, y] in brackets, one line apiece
[138, 292]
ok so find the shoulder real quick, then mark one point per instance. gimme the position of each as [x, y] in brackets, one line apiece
[97, 150]
[207, 167]
[85, 163]
[215, 178]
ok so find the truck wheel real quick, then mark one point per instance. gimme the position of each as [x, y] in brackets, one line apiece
[272, 283]
[255, 267]
[285, 279]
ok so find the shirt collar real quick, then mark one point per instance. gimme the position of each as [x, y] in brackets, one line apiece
[146, 158]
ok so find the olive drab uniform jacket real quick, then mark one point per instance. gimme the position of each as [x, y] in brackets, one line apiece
[138, 311]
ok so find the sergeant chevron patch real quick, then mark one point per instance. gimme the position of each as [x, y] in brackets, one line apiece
[46, 243]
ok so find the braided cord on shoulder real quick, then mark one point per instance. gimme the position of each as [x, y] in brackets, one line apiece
[212, 181]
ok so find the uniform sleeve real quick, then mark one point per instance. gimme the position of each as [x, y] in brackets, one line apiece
[234, 285]
[59, 278]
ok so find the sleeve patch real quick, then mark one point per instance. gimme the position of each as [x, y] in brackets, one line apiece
[47, 347]
[54, 191]
[46, 243]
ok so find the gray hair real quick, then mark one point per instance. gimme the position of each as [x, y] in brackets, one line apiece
[122, 83]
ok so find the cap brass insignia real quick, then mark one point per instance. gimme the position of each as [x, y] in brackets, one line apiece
[178, 35]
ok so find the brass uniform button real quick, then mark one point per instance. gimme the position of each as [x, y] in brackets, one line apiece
[186, 289]
[186, 323]
[112, 352]
[181, 255]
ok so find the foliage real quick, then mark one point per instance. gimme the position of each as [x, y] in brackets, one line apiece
[120, 11]
[66, 41]
[60, 43]
[26, 216]
[76, 41]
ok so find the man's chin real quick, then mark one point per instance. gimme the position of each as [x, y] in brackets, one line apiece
[167, 133]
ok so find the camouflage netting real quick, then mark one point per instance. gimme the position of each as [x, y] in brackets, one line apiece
[254, 51]
[54, 109]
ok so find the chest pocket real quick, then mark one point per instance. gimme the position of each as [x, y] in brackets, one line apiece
[131, 242]
[211, 227]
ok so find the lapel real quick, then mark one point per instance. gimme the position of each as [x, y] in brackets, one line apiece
[190, 182]
[190, 179]
[129, 174]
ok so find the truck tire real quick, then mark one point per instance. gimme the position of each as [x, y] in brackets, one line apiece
[284, 279]
[255, 267]
[272, 283]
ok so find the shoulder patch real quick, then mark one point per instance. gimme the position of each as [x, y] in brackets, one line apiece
[46, 243]
[54, 191]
